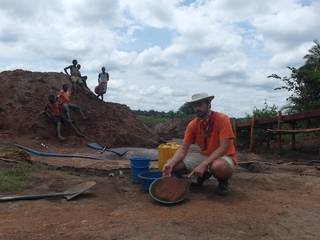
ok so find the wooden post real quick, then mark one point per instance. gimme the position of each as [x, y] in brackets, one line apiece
[279, 134]
[234, 126]
[268, 137]
[251, 147]
[308, 123]
[293, 137]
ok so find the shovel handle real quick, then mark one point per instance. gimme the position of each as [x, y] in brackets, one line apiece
[103, 149]
[106, 149]
[30, 197]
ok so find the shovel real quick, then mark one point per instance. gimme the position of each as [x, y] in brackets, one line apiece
[103, 149]
[106, 149]
[68, 194]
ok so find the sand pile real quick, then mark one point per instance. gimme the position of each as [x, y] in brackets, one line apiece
[23, 96]
[173, 128]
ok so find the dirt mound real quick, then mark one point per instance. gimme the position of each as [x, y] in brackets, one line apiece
[23, 96]
[174, 128]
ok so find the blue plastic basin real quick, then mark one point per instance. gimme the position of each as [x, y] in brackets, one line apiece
[146, 178]
[135, 171]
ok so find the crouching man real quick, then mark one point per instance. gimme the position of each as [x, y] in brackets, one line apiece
[212, 132]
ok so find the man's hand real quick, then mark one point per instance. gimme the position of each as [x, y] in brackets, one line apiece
[199, 170]
[167, 169]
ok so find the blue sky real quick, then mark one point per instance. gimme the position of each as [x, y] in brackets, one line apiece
[159, 53]
[148, 37]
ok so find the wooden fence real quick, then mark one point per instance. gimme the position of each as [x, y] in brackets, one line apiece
[273, 125]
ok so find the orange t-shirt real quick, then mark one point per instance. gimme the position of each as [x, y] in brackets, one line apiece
[53, 109]
[207, 134]
[64, 97]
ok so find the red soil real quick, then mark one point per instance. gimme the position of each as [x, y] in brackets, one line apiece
[23, 96]
[170, 189]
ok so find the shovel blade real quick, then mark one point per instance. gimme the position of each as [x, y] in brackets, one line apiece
[78, 189]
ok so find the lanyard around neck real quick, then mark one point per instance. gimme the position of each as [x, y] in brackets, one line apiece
[207, 130]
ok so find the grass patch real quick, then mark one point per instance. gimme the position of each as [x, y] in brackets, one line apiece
[152, 120]
[15, 178]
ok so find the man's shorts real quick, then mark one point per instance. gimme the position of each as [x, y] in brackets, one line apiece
[76, 79]
[68, 106]
[56, 119]
[73, 106]
[192, 160]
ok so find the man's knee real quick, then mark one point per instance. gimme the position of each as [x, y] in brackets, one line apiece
[180, 167]
[221, 169]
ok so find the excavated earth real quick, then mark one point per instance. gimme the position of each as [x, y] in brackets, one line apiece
[23, 96]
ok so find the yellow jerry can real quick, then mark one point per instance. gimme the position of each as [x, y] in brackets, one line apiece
[165, 152]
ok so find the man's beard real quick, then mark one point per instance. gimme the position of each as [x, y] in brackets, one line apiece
[201, 115]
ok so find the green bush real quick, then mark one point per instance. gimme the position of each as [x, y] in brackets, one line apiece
[265, 112]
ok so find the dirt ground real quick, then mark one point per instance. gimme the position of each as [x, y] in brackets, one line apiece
[271, 199]
[274, 204]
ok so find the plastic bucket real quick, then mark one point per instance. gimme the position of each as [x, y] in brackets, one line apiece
[140, 161]
[138, 165]
[146, 178]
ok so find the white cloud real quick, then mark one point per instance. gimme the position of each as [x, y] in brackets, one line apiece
[290, 57]
[105, 12]
[290, 26]
[233, 65]
[223, 47]
[152, 13]
[152, 57]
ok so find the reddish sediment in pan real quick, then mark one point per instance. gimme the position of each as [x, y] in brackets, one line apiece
[170, 189]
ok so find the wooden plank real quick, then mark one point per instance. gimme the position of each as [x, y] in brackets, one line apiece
[10, 160]
[285, 118]
[293, 137]
[234, 126]
[279, 133]
[268, 140]
[302, 116]
[247, 122]
[251, 146]
[290, 131]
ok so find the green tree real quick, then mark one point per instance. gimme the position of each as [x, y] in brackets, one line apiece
[313, 57]
[264, 112]
[186, 110]
[304, 82]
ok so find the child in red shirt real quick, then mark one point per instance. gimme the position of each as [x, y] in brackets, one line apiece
[65, 102]
[53, 111]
